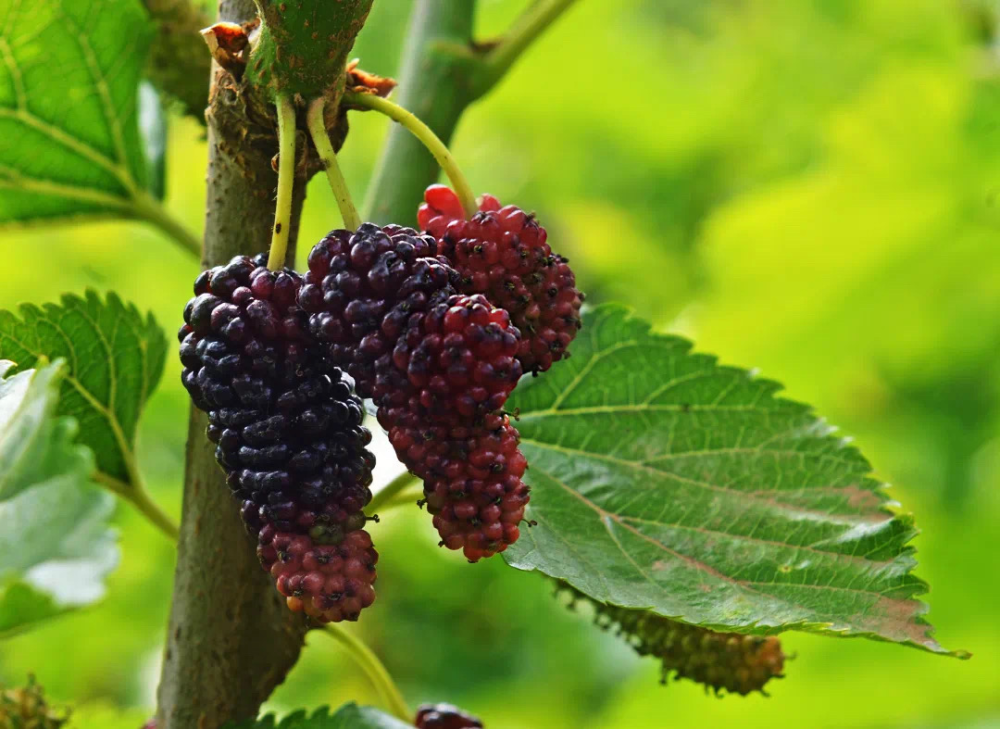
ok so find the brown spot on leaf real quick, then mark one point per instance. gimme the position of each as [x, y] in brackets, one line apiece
[859, 498]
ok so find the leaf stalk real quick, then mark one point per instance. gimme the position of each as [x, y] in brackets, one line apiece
[427, 137]
[317, 130]
[286, 182]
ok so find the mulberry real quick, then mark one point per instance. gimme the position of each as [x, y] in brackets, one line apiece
[433, 361]
[502, 252]
[361, 290]
[735, 662]
[288, 434]
[330, 578]
[445, 716]
[459, 359]
[472, 482]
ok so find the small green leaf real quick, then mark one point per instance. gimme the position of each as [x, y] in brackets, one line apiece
[35, 446]
[55, 547]
[349, 716]
[664, 481]
[114, 359]
[69, 137]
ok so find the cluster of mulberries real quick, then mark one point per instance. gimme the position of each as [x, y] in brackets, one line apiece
[428, 325]
[288, 434]
[735, 662]
[502, 252]
[439, 366]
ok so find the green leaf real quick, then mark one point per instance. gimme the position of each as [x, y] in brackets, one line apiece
[349, 716]
[114, 359]
[69, 137]
[35, 446]
[664, 481]
[55, 547]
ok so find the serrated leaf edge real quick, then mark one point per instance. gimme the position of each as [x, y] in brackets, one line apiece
[868, 483]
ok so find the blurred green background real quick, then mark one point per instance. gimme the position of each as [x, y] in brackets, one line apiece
[807, 187]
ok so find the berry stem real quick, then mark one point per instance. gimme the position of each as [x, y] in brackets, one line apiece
[374, 669]
[317, 130]
[386, 494]
[150, 209]
[286, 181]
[139, 497]
[531, 24]
[427, 137]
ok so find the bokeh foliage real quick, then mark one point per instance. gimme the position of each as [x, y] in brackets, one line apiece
[810, 188]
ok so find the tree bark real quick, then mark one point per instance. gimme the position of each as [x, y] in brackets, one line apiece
[231, 639]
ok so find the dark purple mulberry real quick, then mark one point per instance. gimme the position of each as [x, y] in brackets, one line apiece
[445, 716]
[362, 288]
[288, 434]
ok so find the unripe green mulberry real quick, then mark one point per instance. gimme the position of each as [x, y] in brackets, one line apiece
[735, 662]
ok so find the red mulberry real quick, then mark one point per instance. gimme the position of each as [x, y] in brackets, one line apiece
[472, 482]
[502, 252]
[330, 580]
[433, 361]
[459, 359]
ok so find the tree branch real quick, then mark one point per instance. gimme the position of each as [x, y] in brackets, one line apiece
[302, 46]
[231, 638]
[437, 87]
[532, 23]
[178, 64]
[442, 72]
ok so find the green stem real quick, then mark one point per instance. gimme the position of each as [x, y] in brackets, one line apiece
[427, 137]
[139, 497]
[375, 671]
[522, 33]
[286, 181]
[147, 208]
[392, 488]
[317, 130]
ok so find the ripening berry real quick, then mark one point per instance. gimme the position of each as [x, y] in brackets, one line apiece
[432, 360]
[733, 662]
[502, 252]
